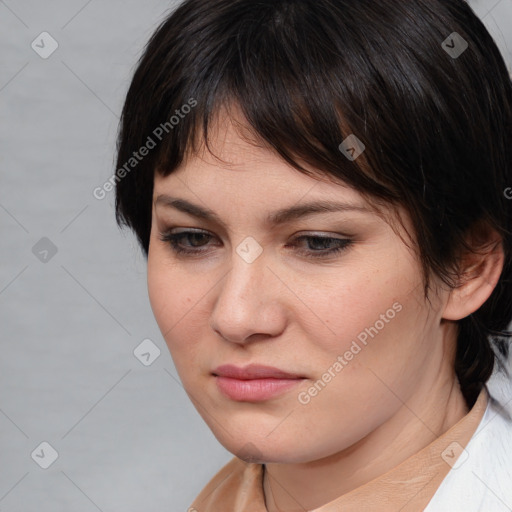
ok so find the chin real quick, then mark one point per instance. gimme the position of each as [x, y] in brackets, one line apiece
[258, 450]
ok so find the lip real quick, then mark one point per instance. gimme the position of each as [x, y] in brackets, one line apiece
[254, 383]
[253, 371]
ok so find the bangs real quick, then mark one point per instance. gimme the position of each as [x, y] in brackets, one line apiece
[303, 85]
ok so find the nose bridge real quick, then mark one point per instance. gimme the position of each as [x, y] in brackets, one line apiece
[242, 284]
[245, 296]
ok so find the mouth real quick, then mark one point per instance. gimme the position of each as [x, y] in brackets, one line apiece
[254, 383]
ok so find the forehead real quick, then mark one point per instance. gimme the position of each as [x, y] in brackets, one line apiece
[240, 160]
[239, 168]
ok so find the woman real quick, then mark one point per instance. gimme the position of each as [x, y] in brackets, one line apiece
[318, 186]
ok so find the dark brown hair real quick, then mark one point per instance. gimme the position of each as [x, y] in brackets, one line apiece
[436, 122]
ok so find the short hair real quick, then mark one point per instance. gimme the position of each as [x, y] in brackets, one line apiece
[420, 83]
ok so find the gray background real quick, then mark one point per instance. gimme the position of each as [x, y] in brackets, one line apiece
[126, 434]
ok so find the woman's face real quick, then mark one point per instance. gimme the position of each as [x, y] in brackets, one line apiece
[351, 326]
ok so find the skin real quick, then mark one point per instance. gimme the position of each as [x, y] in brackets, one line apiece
[299, 314]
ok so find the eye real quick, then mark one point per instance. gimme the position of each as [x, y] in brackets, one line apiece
[196, 237]
[322, 246]
[192, 243]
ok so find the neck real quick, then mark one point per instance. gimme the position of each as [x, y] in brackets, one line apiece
[426, 416]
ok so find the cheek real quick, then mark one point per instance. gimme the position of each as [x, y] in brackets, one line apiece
[378, 346]
[178, 303]
[356, 369]
[354, 306]
[374, 325]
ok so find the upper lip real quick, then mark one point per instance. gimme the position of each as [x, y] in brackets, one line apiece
[253, 371]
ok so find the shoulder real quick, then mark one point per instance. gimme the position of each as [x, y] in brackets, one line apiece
[481, 480]
[236, 486]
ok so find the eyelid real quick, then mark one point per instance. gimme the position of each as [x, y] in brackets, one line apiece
[170, 238]
[182, 217]
[314, 233]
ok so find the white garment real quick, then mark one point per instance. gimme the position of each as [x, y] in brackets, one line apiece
[483, 481]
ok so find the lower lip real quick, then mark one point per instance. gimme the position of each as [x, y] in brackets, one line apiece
[255, 390]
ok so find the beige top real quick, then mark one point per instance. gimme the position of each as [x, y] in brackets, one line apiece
[408, 487]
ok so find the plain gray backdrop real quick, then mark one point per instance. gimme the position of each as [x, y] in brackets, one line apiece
[117, 431]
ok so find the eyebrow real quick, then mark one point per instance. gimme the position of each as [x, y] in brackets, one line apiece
[273, 219]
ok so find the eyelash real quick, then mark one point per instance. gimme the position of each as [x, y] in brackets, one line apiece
[172, 240]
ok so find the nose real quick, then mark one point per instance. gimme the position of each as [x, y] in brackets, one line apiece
[249, 302]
